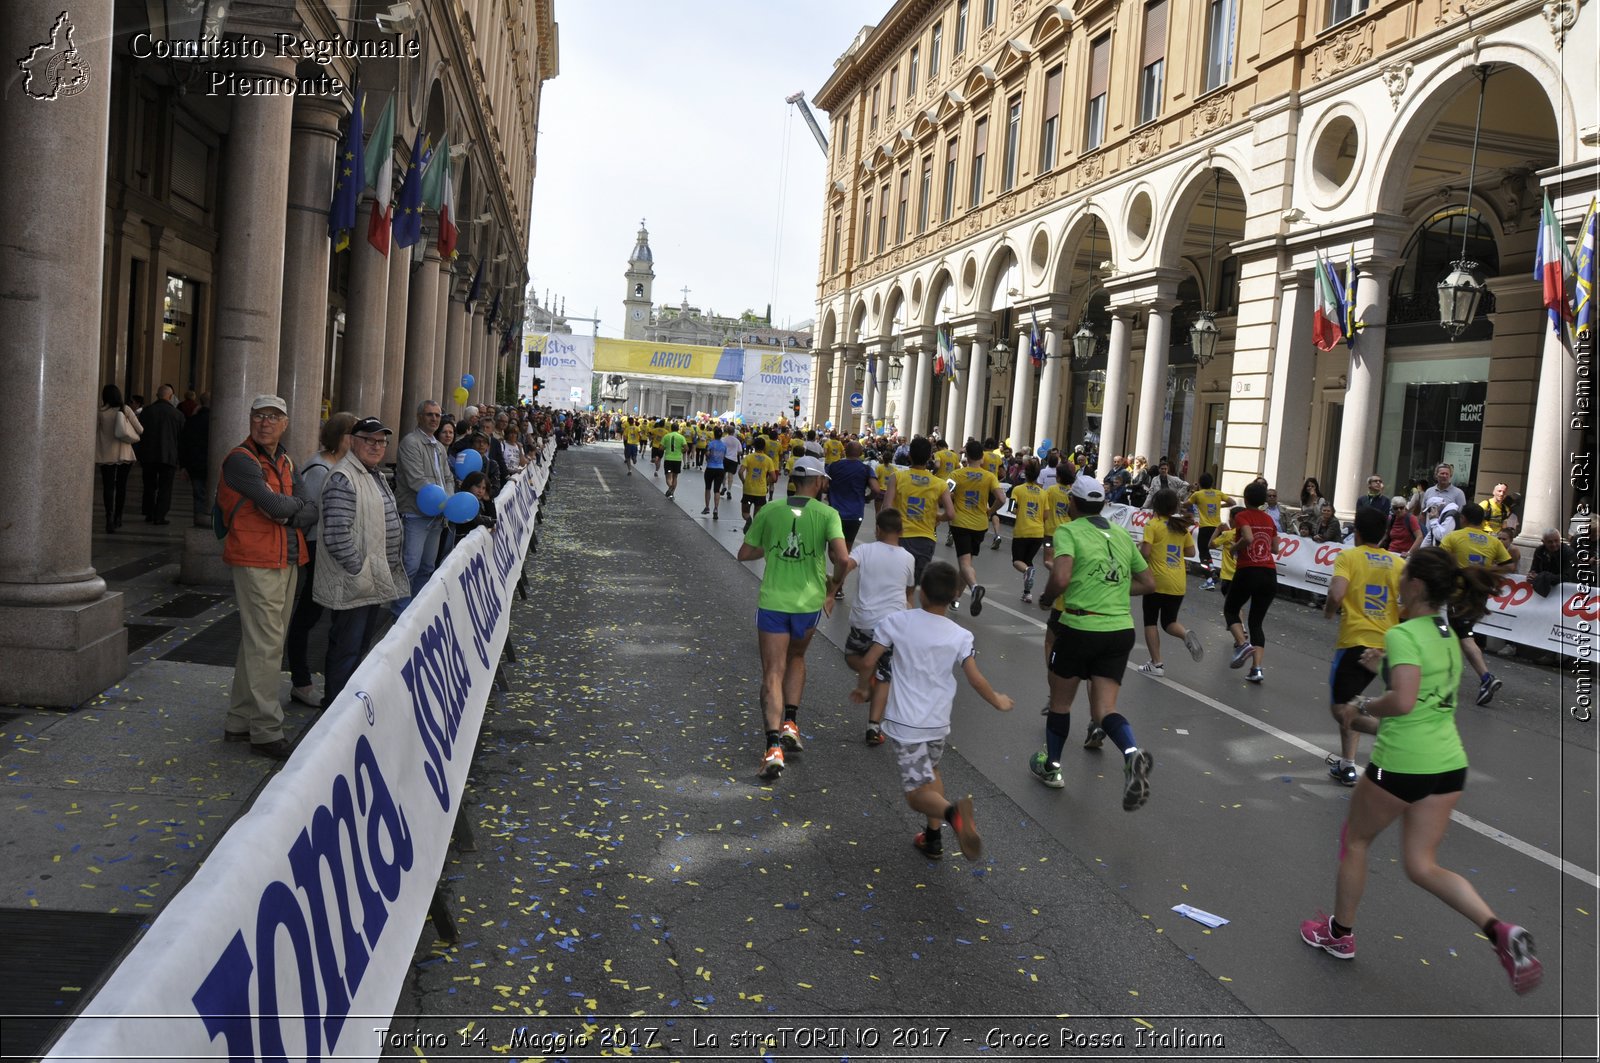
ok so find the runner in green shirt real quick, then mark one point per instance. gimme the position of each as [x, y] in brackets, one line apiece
[1095, 571]
[797, 538]
[673, 445]
[1418, 765]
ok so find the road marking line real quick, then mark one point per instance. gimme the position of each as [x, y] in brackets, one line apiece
[602, 480]
[1566, 867]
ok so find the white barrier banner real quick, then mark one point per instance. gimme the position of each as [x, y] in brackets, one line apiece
[302, 922]
[566, 366]
[771, 382]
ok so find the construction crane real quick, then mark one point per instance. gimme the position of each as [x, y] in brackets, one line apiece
[805, 112]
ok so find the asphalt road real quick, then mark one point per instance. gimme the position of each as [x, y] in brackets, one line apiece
[633, 875]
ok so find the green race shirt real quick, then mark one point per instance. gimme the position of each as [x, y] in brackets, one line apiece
[795, 536]
[1424, 741]
[1104, 562]
[673, 445]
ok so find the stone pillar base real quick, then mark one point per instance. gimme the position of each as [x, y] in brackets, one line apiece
[61, 655]
[202, 559]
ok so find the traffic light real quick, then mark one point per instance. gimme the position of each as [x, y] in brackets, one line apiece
[797, 405]
[535, 386]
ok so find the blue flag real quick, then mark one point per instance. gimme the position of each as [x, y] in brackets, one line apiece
[477, 285]
[1035, 342]
[494, 312]
[350, 176]
[1583, 293]
[408, 209]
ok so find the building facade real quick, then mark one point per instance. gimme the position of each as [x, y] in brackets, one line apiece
[176, 164]
[1117, 171]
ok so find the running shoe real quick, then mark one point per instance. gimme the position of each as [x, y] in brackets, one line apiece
[1514, 946]
[1318, 933]
[771, 764]
[713, 514]
[1191, 642]
[790, 737]
[1152, 668]
[930, 845]
[1340, 772]
[1136, 780]
[967, 830]
[1254, 676]
[1027, 599]
[874, 736]
[1027, 585]
[996, 544]
[838, 595]
[747, 524]
[1045, 770]
[1241, 654]
[669, 494]
[704, 511]
[977, 600]
[1488, 688]
[1209, 584]
[955, 606]
[1096, 735]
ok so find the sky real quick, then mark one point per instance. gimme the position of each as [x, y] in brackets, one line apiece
[674, 113]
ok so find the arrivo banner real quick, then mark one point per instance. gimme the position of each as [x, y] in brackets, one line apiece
[299, 928]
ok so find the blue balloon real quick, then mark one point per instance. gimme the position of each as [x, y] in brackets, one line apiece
[1044, 445]
[461, 508]
[467, 462]
[467, 381]
[430, 500]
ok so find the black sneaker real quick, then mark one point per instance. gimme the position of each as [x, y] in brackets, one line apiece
[977, 600]
[1136, 781]
[706, 510]
[874, 736]
[1488, 688]
[1095, 737]
[930, 845]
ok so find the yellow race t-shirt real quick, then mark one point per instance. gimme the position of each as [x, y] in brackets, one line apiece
[1056, 512]
[992, 462]
[946, 462]
[630, 433]
[1224, 542]
[1208, 503]
[832, 451]
[1372, 598]
[1474, 546]
[1032, 501]
[753, 472]
[1166, 550]
[972, 496]
[916, 496]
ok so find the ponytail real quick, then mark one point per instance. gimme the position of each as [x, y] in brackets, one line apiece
[1475, 585]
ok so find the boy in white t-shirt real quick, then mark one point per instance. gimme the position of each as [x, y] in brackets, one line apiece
[921, 696]
[887, 584]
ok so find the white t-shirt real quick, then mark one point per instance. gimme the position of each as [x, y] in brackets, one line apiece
[735, 448]
[927, 650]
[883, 573]
[1047, 475]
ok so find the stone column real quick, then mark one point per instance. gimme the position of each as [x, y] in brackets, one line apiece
[821, 391]
[443, 387]
[422, 306]
[1363, 395]
[1150, 440]
[249, 285]
[1113, 418]
[1049, 387]
[366, 320]
[1020, 425]
[482, 378]
[455, 352]
[845, 379]
[977, 390]
[955, 411]
[305, 264]
[1294, 365]
[921, 423]
[61, 634]
[1548, 501]
[394, 345]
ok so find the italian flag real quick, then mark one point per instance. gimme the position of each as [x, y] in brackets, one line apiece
[1326, 327]
[447, 225]
[380, 177]
[1551, 266]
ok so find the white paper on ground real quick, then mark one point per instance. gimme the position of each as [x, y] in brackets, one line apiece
[1204, 918]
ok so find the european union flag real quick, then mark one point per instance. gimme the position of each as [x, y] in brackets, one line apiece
[350, 176]
[408, 209]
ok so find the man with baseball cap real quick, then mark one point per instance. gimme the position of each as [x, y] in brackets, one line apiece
[264, 514]
[363, 549]
[1095, 570]
[797, 539]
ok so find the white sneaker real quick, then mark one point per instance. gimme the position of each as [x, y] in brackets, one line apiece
[1152, 668]
[1191, 642]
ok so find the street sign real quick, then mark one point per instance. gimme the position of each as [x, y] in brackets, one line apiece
[856, 400]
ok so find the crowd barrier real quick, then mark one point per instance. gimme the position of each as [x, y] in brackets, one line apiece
[296, 935]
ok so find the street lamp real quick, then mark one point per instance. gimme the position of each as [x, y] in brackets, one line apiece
[1084, 341]
[1203, 334]
[1462, 289]
[1000, 355]
[187, 22]
[896, 368]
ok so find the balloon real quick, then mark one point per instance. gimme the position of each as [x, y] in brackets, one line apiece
[461, 508]
[1045, 444]
[461, 396]
[466, 463]
[467, 381]
[828, 424]
[430, 500]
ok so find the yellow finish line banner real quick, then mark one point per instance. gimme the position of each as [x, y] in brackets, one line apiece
[646, 358]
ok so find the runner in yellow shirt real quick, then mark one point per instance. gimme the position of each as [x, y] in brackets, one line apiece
[994, 460]
[1027, 535]
[1207, 504]
[1366, 584]
[757, 474]
[1473, 546]
[923, 499]
[1166, 544]
[1224, 542]
[977, 498]
[630, 444]
[832, 449]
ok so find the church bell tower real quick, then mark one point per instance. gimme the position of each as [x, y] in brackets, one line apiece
[636, 301]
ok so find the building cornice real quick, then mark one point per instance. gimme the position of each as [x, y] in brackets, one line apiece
[902, 20]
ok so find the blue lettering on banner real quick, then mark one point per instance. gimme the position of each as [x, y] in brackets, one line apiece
[223, 999]
[437, 677]
[671, 360]
[483, 604]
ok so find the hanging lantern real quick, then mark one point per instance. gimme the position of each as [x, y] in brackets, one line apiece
[1203, 336]
[1084, 342]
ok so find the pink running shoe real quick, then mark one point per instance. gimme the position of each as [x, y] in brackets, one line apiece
[1514, 946]
[1318, 933]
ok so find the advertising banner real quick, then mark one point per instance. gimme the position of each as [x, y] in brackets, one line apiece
[302, 922]
[566, 367]
[771, 382]
[649, 358]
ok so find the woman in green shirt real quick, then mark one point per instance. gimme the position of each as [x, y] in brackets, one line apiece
[1418, 764]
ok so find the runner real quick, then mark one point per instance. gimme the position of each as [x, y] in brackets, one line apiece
[1473, 546]
[797, 540]
[1207, 504]
[850, 482]
[730, 460]
[630, 444]
[756, 473]
[1096, 570]
[702, 443]
[886, 584]
[1368, 614]
[923, 500]
[716, 452]
[994, 460]
[1224, 544]
[673, 445]
[1255, 581]
[1027, 535]
[918, 718]
[1419, 766]
[1166, 544]
[977, 498]
[832, 449]
[656, 431]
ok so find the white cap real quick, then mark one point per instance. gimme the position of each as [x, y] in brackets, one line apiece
[809, 466]
[1087, 488]
[268, 402]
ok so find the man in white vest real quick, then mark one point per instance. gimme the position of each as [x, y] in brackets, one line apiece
[363, 547]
